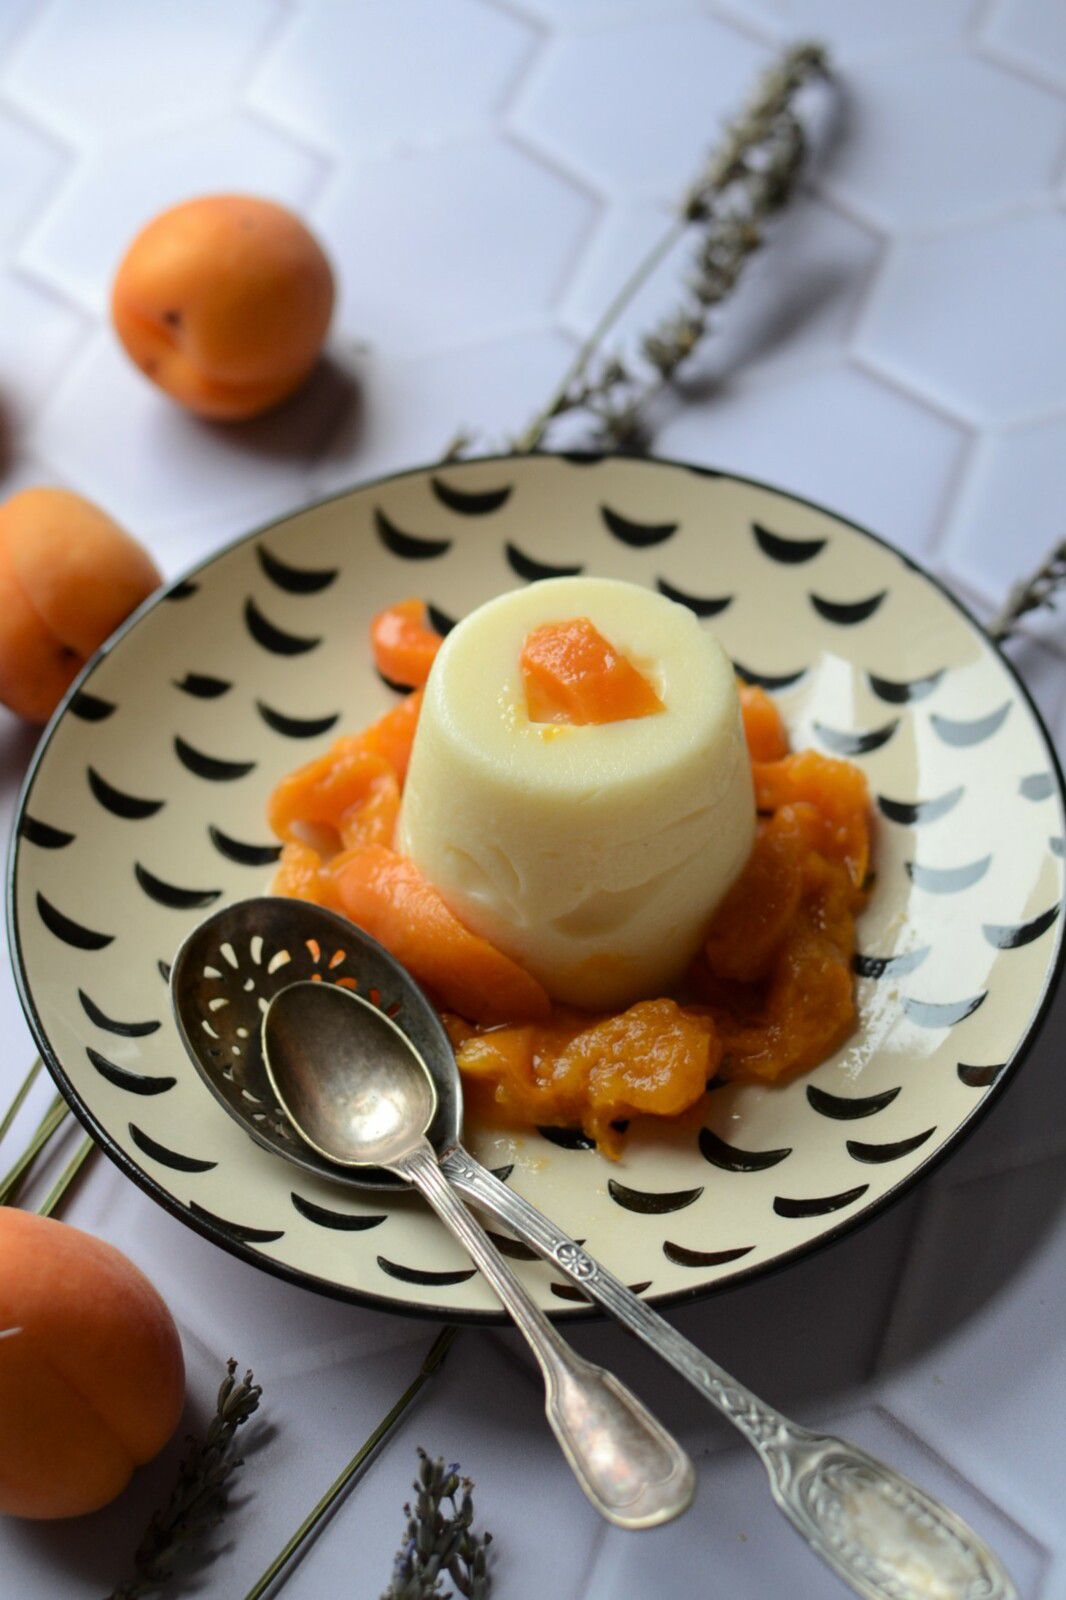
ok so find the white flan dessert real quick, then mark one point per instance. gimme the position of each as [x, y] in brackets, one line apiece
[594, 854]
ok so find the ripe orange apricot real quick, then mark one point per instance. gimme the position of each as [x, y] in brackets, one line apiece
[68, 576]
[224, 303]
[92, 1380]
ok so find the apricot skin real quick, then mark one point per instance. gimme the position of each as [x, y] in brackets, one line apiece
[92, 1380]
[224, 303]
[68, 576]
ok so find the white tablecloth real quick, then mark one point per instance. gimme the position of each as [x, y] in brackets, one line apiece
[481, 171]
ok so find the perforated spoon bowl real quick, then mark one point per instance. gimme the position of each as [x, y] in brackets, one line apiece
[879, 1532]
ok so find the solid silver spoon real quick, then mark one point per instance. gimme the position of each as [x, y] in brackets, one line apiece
[364, 1098]
[878, 1531]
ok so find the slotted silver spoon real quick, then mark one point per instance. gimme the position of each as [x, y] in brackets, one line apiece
[373, 1116]
[879, 1532]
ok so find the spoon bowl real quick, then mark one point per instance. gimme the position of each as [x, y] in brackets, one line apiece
[225, 976]
[359, 1094]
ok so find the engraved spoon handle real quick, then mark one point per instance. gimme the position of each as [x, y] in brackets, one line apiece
[878, 1531]
[632, 1470]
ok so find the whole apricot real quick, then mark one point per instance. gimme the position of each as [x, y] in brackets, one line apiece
[92, 1380]
[224, 302]
[68, 576]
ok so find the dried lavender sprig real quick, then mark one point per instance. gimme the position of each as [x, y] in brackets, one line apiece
[761, 152]
[198, 1500]
[439, 1540]
[1034, 593]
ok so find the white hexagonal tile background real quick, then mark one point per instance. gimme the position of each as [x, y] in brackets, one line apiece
[484, 174]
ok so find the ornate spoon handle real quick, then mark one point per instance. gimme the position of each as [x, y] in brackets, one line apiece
[633, 1471]
[878, 1531]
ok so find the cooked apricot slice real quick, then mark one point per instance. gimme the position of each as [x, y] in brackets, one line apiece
[754, 917]
[404, 644]
[764, 726]
[808, 1012]
[581, 1072]
[386, 894]
[337, 791]
[571, 674]
[301, 876]
[839, 792]
[392, 735]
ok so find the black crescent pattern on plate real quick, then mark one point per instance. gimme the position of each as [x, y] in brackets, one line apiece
[899, 693]
[844, 742]
[294, 580]
[236, 1230]
[214, 768]
[422, 1275]
[638, 535]
[567, 1138]
[961, 734]
[131, 807]
[202, 686]
[796, 1206]
[947, 880]
[296, 727]
[682, 1256]
[165, 1156]
[342, 1221]
[979, 1077]
[532, 570]
[124, 1078]
[768, 680]
[846, 613]
[714, 1149]
[582, 458]
[570, 1291]
[408, 546]
[914, 813]
[238, 850]
[471, 502]
[183, 590]
[941, 1013]
[439, 620]
[791, 552]
[125, 1030]
[848, 1108]
[700, 605]
[273, 638]
[164, 970]
[896, 966]
[172, 895]
[1037, 786]
[392, 683]
[648, 1202]
[512, 1248]
[876, 1154]
[43, 834]
[90, 707]
[1012, 936]
[71, 932]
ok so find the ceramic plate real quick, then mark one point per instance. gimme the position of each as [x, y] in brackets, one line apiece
[145, 807]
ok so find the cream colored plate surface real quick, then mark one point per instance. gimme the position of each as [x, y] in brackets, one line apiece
[146, 806]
